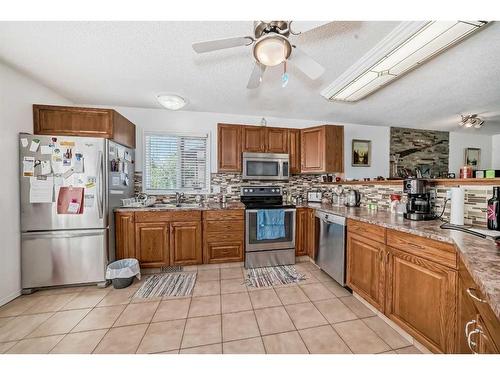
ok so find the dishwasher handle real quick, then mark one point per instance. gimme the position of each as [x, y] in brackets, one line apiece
[330, 218]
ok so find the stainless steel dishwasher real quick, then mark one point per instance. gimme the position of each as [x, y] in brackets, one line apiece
[330, 255]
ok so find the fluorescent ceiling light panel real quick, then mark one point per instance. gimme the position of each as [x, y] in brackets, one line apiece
[408, 46]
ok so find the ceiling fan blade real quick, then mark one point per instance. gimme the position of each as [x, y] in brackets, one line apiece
[256, 76]
[306, 64]
[213, 45]
[302, 27]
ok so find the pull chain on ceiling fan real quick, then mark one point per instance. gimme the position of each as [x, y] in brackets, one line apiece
[271, 47]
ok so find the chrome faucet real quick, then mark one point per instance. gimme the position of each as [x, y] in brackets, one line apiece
[178, 198]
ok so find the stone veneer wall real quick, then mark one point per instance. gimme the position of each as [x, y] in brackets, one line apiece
[475, 196]
[436, 157]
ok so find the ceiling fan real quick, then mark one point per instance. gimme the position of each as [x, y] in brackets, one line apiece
[271, 47]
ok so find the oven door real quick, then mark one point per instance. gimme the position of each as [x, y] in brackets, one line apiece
[253, 244]
[265, 168]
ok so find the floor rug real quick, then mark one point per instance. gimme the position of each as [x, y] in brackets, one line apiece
[269, 276]
[172, 284]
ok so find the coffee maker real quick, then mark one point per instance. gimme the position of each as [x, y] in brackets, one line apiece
[421, 197]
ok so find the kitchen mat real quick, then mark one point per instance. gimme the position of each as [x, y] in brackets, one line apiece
[172, 284]
[270, 276]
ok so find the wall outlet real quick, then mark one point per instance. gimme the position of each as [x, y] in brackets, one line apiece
[448, 194]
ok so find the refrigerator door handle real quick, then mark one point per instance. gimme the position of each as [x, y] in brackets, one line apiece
[100, 168]
[65, 234]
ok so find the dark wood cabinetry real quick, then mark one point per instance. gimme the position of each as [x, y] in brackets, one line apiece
[185, 243]
[229, 148]
[322, 149]
[83, 122]
[304, 232]
[125, 235]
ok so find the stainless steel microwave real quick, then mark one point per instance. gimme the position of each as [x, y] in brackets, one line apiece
[264, 166]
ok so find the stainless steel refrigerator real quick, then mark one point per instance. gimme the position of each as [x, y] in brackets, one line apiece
[67, 240]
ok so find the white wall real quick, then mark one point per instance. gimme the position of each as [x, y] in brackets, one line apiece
[495, 157]
[17, 94]
[206, 122]
[460, 141]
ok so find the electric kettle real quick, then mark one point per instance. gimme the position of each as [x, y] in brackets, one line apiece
[352, 198]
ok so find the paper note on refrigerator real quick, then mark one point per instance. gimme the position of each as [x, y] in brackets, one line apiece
[41, 191]
[45, 167]
[46, 150]
[28, 166]
[70, 200]
[34, 145]
[24, 142]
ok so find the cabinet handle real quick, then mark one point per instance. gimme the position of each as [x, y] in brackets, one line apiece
[470, 343]
[467, 325]
[386, 257]
[471, 291]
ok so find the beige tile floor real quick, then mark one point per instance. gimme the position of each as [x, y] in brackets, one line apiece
[222, 316]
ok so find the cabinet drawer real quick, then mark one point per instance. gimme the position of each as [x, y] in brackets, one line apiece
[223, 237]
[224, 215]
[373, 232]
[225, 227]
[159, 216]
[219, 252]
[436, 251]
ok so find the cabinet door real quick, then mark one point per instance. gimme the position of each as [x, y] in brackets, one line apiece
[76, 121]
[254, 139]
[485, 343]
[366, 269]
[124, 235]
[294, 150]
[277, 140]
[301, 231]
[312, 150]
[185, 243]
[151, 244]
[310, 236]
[229, 148]
[466, 313]
[421, 299]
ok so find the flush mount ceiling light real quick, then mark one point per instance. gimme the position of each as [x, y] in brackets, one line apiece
[469, 121]
[173, 102]
[408, 46]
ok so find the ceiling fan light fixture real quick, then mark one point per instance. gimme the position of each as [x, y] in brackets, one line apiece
[272, 49]
[172, 102]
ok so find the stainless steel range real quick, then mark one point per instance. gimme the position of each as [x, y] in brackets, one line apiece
[262, 251]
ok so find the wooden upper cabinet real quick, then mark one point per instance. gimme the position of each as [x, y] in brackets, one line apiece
[185, 243]
[229, 148]
[421, 298]
[254, 139]
[277, 140]
[366, 268]
[152, 244]
[322, 149]
[294, 150]
[83, 122]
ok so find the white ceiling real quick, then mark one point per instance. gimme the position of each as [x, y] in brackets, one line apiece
[128, 63]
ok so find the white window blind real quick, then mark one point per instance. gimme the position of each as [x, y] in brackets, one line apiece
[175, 163]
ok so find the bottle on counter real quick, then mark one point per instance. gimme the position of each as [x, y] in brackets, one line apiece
[493, 214]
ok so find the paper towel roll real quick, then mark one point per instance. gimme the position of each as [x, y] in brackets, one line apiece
[457, 206]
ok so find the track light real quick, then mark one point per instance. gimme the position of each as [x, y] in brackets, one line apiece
[469, 121]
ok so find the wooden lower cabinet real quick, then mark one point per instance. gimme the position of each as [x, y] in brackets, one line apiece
[366, 268]
[223, 236]
[304, 232]
[185, 243]
[125, 235]
[152, 244]
[421, 298]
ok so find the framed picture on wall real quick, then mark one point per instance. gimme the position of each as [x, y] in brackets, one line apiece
[473, 157]
[361, 153]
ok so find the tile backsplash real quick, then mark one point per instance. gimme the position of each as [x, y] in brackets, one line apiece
[230, 184]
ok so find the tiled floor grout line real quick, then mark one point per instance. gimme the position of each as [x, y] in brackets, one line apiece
[149, 324]
[256, 321]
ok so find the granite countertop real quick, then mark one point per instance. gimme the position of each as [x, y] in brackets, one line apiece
[480, 256]
[203, 207]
